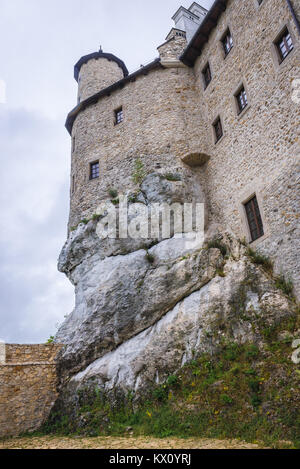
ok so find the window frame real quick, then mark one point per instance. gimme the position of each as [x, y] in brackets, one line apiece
[204, 69]
[217, 120]
[117, 112]
[92, 177]
[257, 218]
[241, 104]
[285, 31]
[222, 40]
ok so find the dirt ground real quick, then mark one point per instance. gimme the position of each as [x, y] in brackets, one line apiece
[121, 443]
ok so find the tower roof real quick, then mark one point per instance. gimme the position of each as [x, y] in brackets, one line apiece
[198, 41]
[99, 55]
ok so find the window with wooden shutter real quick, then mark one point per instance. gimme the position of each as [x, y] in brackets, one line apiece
[218, 129]
[227, 42]
[254, 219]
[284, 44]
[242, 100]
[206, 73]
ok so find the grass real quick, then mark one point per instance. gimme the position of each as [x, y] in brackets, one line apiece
[150, 258]
[173, 177]
[286, 286]
[260, 259]
[139, 172]
[96, 217]
[240, 393]
[217, 244]
[113, 193]
[283, 284]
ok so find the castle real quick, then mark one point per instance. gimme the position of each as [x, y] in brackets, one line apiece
[220, 110]
[217, 103]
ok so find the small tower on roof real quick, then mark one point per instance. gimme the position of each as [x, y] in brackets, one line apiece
[189, 20]
[96, 71]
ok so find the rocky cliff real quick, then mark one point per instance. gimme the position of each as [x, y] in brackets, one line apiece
[146, 307]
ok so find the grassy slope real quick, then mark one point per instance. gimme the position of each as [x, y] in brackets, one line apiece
[243, 392]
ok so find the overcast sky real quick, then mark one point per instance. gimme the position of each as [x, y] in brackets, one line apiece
[40, 41]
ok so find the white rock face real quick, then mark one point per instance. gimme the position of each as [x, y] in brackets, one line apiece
[196, 325]
[145, 307]
[124, 286]
[120, 296]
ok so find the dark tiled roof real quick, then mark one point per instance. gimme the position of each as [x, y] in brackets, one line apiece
[107, 91]
[195, 46]
[99, 55]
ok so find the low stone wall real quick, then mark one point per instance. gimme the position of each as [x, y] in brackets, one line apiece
[27, 387]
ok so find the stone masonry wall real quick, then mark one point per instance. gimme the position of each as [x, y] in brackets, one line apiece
[259, 152]
[27, 387]
[156, 129]
[168, 113]
[97, 74]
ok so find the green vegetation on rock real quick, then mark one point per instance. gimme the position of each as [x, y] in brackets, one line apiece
[243, 392]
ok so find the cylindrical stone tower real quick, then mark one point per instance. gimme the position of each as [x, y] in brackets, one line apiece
[96, 71]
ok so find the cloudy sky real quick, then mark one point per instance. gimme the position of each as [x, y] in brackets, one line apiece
[40, 41]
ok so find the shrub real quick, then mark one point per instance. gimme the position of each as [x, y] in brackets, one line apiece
[220, 273]
[172, 380]
[231, 352]
[173, 177]
[139, 172]
[286, 286]
[217, 244]
[225, 399]
[260, 259]
[160, 393]
[113, 193]
[252, 351]
[150, 257]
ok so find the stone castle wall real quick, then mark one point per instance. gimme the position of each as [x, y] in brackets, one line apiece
[259, 152]
[27, 387]
[95, 75]
[155, 129]
[168, 114]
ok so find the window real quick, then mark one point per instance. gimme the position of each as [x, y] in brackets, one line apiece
[218, 129]
[227, 42]
[73, 144]
[206, 72]
[73, 184]
[254, 219]
[242, 100]
[94, 170]
[119, 116]
[260, 1]
[284, 44]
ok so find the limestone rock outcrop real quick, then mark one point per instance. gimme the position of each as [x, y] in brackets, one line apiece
[144, 307]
